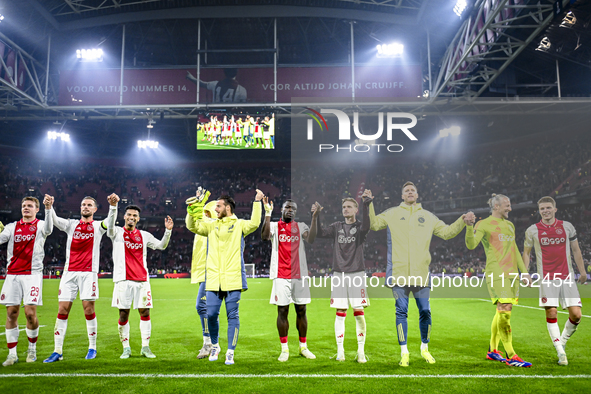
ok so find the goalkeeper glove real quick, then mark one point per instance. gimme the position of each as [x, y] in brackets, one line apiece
[195, 207]
[268, 209]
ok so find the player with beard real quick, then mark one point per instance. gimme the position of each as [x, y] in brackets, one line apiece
[288, 270]
[224, 267]
[81, 271]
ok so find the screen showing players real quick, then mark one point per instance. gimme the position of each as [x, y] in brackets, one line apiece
[227, 131]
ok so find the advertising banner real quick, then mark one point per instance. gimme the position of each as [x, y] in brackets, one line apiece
[231, 85]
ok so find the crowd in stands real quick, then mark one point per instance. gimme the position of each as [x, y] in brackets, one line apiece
[522, 173]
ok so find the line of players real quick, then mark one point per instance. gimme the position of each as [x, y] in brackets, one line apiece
[220, 255]
[236, 131]
[410, 229]
[24, 279]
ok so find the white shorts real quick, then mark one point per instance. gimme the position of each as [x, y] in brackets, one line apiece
[258, 135]
[84, 282]
[348, 288]
[267, 135]
[553, 292]
[288, 291]
[128, 291]
[25, 289]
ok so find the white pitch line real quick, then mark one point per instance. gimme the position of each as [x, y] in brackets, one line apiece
[22, 329]
[533, 307]
[251, 376]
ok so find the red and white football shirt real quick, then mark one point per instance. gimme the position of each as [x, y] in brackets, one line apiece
[552, 246]
[288, 255]
[25, 252]
[84, 240]
[130, 249]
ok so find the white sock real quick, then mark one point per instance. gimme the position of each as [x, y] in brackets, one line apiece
[124, 334]
[403, 349]
[229, 352]
[554, 331]
[569, 330]
[146, 330]
[361, 329]
[12, 339]
[59, 333]
[284, 346]
[32, 335]
[303, 344]
[339, 329]
[424, 346]
[91, 330]
[206, 340]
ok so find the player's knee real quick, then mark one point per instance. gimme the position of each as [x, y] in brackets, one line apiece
[551, 313]
[425, 312]
[31, 315]
[12, 314]
[575, 315]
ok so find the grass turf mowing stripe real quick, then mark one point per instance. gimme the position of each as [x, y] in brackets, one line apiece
[533, 307]
[251, 376]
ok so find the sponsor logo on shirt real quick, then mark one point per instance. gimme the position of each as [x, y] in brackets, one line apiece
[345, 240]
[506, 238]
[552, 241]
[79, 235]
[287, 238]
[24, 238]
[131, 245]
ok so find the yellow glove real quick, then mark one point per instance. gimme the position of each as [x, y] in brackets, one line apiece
[1, 227]
[196, 205]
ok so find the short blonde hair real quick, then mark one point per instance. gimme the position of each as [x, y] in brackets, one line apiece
[30, 198]
[547, 199]
[409, 183]
[350, 199]
[495, 199]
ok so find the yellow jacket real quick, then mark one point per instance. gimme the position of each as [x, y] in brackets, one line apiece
[410, 229]
[199, 246]
[225, 249]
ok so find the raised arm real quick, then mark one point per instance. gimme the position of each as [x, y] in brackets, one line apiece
[113, 200]
[60, 223]
[266, 230]
[445, 231]
[310, 235]
[48, 224]
[251, 225]
[473, 235]
[154, 243]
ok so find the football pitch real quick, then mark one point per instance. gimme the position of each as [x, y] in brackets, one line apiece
[459, 341]
[206, 145]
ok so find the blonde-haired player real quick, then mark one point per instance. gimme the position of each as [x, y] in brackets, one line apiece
[24, 279]
[553, 241]
[503, 264]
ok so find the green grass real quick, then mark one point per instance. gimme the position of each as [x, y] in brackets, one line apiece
[208, 146]
[460, 335]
